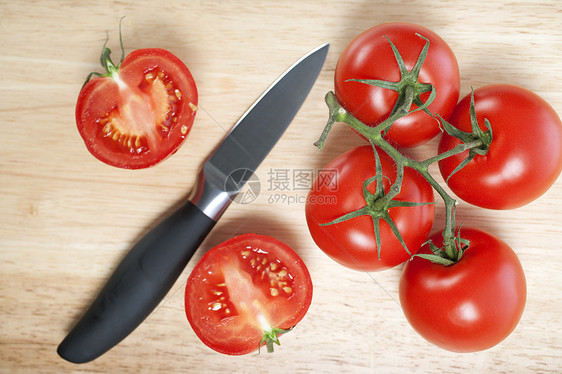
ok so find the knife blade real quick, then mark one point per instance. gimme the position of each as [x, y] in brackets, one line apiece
[154, 263]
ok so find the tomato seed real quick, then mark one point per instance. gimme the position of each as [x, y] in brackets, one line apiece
[108, 128]
[216, 306]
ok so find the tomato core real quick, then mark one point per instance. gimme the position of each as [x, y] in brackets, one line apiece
[130, 125]
[243, 285]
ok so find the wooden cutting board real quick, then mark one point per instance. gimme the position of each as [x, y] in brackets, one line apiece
[66, 219]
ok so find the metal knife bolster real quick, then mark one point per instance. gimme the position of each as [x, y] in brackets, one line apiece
[210, 194]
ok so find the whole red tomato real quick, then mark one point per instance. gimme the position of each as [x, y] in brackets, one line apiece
[338, 190]
[246, 292]
[471, 305]
[524, 158]
[140, 112]
[370, 56]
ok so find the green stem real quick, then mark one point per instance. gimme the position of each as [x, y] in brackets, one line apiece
[401, 163]
[422, 167]
[460, 148]
[271, 336]
[340, 114]
[450, 207]
[111, 70]
[401, 111]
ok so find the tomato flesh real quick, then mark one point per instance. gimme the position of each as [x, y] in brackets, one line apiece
[140, 115]
[243, 287]
[130, 124]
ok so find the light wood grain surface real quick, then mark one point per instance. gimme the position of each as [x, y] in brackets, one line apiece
[66, 219]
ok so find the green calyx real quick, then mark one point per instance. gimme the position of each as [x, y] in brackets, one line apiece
[409, 88]
[377, 204]
[447, 255]
[270, 337]
[483, 139]
[105, 59]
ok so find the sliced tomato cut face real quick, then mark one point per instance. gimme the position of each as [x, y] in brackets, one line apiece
[243, 288]
[140, 115]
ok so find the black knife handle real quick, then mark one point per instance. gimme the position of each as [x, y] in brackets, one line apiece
[138, 284]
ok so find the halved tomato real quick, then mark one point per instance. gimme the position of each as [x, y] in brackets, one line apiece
[246, 292]
[140, 112]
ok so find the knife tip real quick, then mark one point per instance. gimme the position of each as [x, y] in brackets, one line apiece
[323, 46]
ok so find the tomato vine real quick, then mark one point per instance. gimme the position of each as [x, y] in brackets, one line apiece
[409, 90]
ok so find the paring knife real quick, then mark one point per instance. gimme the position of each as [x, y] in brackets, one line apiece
[152, 266]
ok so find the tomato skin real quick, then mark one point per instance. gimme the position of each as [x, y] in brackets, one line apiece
[524, 158]
[352, 243]
[369, 56]
[469, 306]
[162, 126]
[229, 294]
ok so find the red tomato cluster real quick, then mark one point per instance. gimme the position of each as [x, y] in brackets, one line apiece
[476, 301]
